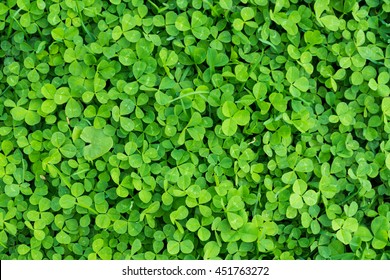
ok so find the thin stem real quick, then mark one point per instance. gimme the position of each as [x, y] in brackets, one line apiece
[6, 89]
[303, 100]
[63, 178]
[253, 67]
[24, 169]
[17, 22]
[168, 72]
[266, 42]
[211, 6]
[282, 189]
[82, 22]
[185, 110]
[257, 202]
[154, 5]
[11, 22]
[157, 8]
[88, 208]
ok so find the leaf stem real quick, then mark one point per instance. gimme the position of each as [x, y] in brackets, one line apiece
[257, 202]
[253, 67]
[6, 89]
[154, 5]
[82, 22]
[282, 189]
[20, 26]
[211, 7]
[157, 8]
[63, 178]
[87, 207]
[11, 22]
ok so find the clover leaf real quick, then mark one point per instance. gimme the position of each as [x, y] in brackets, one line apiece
[98, 143]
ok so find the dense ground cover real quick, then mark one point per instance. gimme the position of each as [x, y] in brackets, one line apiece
[229, 129]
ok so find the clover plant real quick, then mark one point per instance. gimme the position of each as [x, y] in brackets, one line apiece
[225, 129]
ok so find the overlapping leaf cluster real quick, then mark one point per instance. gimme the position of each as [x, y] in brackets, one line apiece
[252, 129]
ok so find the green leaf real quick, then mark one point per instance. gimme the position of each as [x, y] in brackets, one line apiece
[229, 127]
[379, 224]
[116, 33]
[229, 109]
[380, 241]
[62, 95]
[182, 23]
[128, 22]
[296, 201]
[12, 190]
[386, 106]
[67, 201]
[302, 84]
[371, 52]
[226, 4]
[289, 177]
[23, 249]
[236, 221]
[103, 221]
[310, 197]
[63, 238]
[344, 236]
[32, 118]
[247, 13]
[241, 73]
[3, 9]
[48, 106]
[299, 187]
[306, 219]
[270, 228]
[242, 117]
[173, 247]
[201, 32]
[68, 150]
[186, 246]
[363, 233]
[204, 234]
[33, 76]
[235, 204]
[314, 37]
[351, 224]
[193, 224]
[58, 139]
[320, 7]
[18, 113]
[215, 59]
[211, 250]
[238, 24]
[100, 143]
[304, 165]
[331, 22]
[249, 233]
[277, 100]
